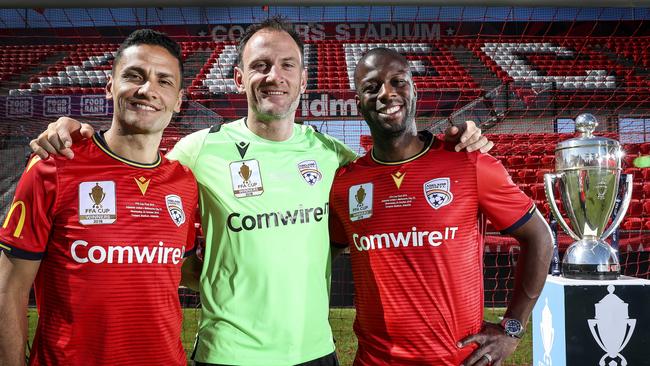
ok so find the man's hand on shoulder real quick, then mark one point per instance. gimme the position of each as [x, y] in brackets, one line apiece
[59, 136]
[494, 346]
[469, 137]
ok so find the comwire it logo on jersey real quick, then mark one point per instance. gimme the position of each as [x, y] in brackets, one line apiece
[413, 238]
[274, 219]
[83, 252]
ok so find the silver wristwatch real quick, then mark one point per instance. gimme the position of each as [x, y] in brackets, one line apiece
[513, 327]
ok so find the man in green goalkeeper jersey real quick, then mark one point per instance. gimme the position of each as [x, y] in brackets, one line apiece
[264, 185]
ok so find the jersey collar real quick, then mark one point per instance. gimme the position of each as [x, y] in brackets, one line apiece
[98, 139]
[429, 138]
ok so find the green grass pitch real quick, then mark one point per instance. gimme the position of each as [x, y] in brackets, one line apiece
[346, 343]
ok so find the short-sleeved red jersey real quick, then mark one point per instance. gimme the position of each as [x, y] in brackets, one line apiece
[111, 235]
[417, 250]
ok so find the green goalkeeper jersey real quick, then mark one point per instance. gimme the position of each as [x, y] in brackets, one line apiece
[266, 271]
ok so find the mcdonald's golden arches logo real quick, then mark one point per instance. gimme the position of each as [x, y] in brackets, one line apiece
[21, 220]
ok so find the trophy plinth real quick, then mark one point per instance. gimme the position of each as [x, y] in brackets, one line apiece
[588, 169]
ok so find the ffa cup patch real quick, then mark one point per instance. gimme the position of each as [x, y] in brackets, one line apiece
[246, 178]
[97, 203]
[438, 192]
[360, 201]
[309, 171]
[175, 209]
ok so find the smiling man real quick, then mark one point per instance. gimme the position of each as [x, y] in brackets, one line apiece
[265, 278]
[409, 211]
[264, 186]
[103, 236]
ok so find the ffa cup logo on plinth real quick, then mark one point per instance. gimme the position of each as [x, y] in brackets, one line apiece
[548, 334]
[175, 209]
[438, 192]
[360, 201]
[309, 171]
[612, 328]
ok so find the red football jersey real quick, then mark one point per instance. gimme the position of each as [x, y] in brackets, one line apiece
[417, 250]
[111, 235]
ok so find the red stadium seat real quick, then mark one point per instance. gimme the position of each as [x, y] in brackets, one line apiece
[540, 174]
[646, 190]
[548, 161]
[515, 161]
[537, 149]
[526, 176]
[633, 223]
[635, 209]
[533, 162]
[502, 147]
[636, 172]
[646, 208]
[628, 160]
[631, 149]
[644, 148]
[538, 191]
[637, 191]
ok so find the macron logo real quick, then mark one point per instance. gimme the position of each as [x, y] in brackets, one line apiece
[413, 238]
[82, 253]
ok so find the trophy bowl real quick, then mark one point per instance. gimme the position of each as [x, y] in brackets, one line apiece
[588, 169]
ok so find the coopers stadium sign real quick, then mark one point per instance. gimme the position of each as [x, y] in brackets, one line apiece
[343, 31]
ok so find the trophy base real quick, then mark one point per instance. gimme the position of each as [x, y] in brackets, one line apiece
[589, 259]
[588, 272]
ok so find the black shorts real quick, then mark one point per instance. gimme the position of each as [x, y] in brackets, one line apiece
[328, 360]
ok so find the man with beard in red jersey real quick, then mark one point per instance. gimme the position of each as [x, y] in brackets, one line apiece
[103, 236]
[410, 211]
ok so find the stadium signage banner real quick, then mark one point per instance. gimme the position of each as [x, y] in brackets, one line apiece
[312, 105]
[58, 105]
[326, 105]
[343, 31]
[55, 106]
[18, 107]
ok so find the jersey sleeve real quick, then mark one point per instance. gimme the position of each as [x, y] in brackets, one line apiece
[338, 237]
[187, 149]
[26, 228]
[344, 154]
[500, 199]
[193, 224]
[191, 246]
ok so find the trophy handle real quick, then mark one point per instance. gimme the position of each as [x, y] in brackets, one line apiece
[594, 333]
[625, 203]
[632, 324]
[549, 182]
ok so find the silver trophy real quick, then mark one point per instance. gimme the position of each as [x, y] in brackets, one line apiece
[588, 169]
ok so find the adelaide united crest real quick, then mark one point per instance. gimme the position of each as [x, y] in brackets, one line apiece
[175, 208]
[438, 192]
[309, 171]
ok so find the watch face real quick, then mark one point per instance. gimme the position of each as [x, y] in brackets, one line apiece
[513, 327]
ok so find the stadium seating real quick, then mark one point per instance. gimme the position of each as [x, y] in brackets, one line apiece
[576, 70]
